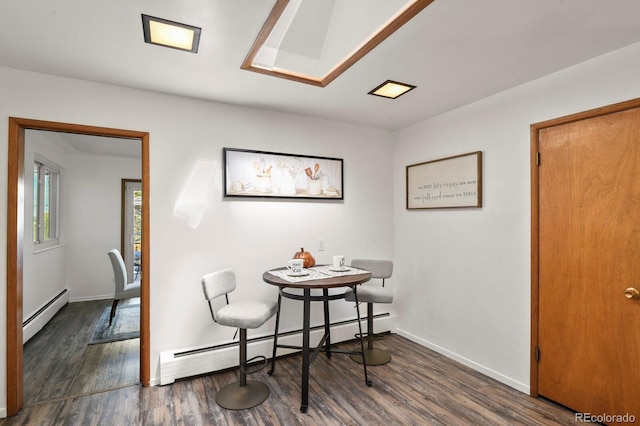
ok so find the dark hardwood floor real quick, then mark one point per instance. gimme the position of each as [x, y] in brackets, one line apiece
[59, 363]
[418, 387]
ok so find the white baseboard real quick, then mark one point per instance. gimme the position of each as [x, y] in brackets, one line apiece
[177, 364]
[469, 363]
[43, 316]
[91, 298]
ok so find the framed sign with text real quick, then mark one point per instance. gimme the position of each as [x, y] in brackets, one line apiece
[445, 183]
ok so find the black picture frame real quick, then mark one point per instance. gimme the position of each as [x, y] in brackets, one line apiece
[264, 174]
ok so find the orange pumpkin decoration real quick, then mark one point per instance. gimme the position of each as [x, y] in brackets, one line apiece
[309, 261]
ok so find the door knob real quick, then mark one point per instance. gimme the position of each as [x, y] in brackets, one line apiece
[631, 293]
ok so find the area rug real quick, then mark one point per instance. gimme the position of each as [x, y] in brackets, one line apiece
[125, 325]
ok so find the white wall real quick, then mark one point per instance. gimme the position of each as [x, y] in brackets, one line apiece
[90, 199]
[250, 236]
[463, 276]
[93, 211]
[43, 271]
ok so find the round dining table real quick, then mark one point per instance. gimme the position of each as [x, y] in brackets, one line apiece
[318, 278]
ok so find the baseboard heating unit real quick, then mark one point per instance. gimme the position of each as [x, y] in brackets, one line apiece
[178, 364]
[35, 322]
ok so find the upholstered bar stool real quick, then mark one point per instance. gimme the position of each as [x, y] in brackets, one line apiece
[242, 315]
[370, 294]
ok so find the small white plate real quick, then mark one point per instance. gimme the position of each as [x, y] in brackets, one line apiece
[298, 274]
[345, 269]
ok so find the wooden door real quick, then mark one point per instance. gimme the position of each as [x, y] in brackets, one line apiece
[588, 245]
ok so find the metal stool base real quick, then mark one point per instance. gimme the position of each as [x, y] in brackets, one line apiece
[236, 397]
[373, 357]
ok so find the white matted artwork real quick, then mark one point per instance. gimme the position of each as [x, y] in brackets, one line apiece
[445, 183]
[264, 174]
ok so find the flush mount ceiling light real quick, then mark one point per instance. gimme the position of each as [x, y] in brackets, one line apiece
[313, 42]
[391, 89]
[170, 34]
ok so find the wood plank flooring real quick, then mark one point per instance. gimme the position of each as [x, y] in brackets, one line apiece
[418, 387]
[59, 364]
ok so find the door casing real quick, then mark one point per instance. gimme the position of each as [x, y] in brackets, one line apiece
[15, 236]
[127, 246]
[535, 193]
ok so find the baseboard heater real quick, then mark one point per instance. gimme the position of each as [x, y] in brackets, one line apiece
[178, 364]
[35, 322]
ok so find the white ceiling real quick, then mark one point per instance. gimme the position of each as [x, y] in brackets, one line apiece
[102, 146]
[455, 51]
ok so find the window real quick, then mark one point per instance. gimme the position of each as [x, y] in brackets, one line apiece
[46, 179]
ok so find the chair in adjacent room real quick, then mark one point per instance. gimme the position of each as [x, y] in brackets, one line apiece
[242, 315]
[370, 294]
[123, 290]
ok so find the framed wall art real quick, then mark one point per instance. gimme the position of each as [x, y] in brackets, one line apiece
[446, 183]
[250, 173]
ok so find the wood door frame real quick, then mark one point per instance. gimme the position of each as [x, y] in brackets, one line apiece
[15, 236]
[535, 210]
[123, 230]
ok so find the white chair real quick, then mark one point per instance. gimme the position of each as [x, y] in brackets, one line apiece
[370, 294]
[123, 289]
[242, 315]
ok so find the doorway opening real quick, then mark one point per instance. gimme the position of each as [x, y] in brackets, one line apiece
[131, 223]
[15, 238]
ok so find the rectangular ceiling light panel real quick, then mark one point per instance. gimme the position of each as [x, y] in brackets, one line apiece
[392, 89]
[170, 34]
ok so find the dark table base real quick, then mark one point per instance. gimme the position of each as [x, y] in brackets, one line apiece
[308, 354]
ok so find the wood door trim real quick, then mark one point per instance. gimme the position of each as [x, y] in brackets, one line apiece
[123, 187]
[15, 235]
[535, 206]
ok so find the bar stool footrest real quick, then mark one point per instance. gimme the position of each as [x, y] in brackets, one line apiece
[245, 365]
[365, 336]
